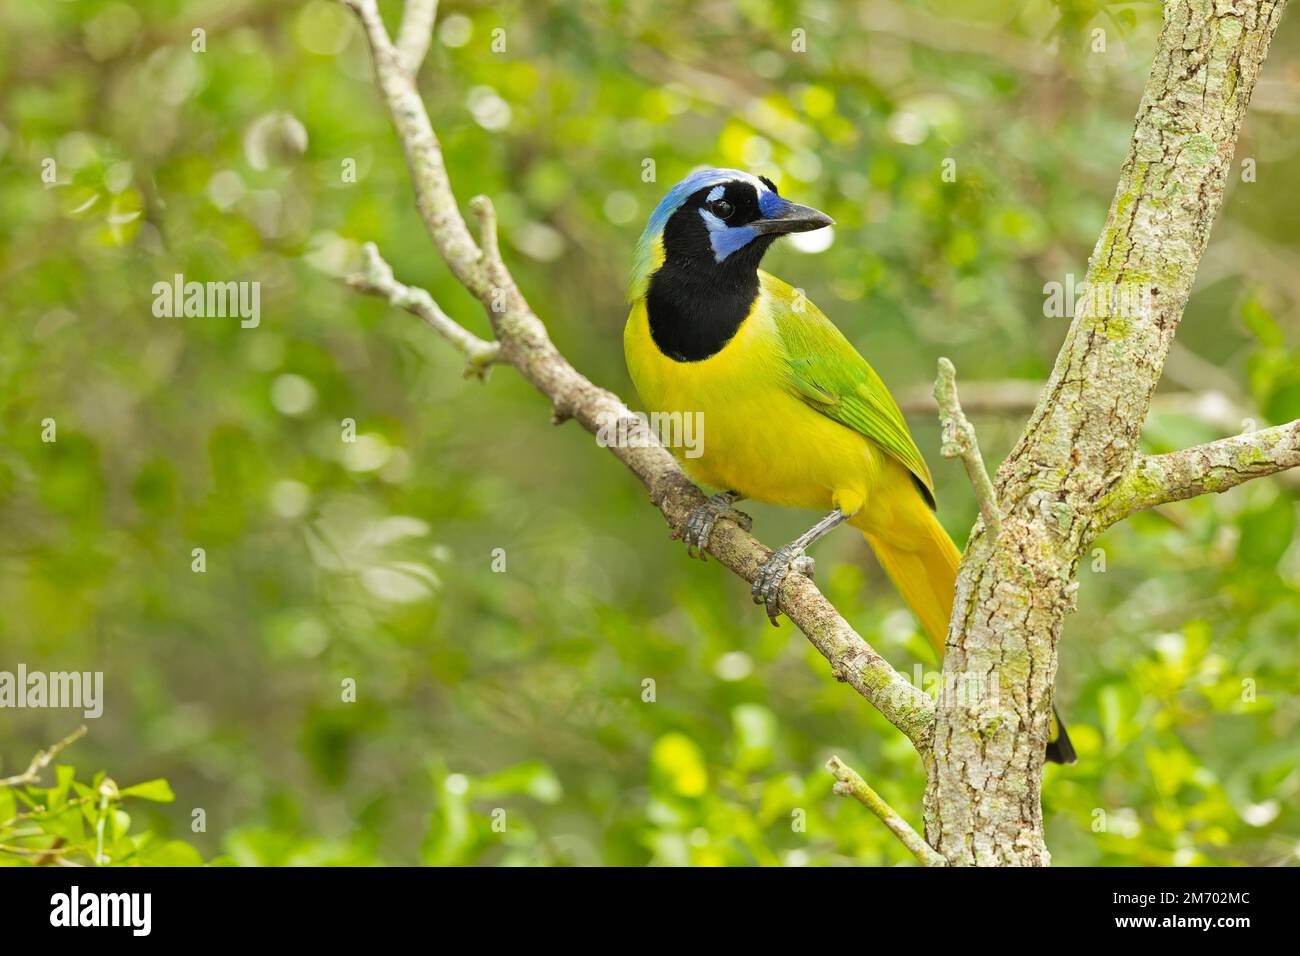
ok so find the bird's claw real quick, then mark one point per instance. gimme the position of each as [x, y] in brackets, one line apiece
[767, 585]
[700, 522]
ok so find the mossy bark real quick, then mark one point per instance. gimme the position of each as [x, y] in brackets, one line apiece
[1080, 448]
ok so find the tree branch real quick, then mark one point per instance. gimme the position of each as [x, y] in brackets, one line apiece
[1084, 436]
[42, 760]
[376, 278]
[851, 784]
[416, 32]
[1205, 469]
[959, 441]
[524, 344]
[997, 397]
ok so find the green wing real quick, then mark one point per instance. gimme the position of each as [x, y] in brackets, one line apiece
[827, 372]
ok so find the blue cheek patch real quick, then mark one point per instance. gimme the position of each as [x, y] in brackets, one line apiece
[725, 239]
[729, 240]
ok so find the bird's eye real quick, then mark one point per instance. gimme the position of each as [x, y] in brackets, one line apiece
[722, 209]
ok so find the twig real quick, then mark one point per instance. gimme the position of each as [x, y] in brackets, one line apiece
[40, 810]
[851, 784]
[525, 345]
[487, 237]
[42, 760]
[433, 194]
[1205, 469]
[959, 441]
[1019, 397]
[416, 32]
[29, 851]
[376, 277]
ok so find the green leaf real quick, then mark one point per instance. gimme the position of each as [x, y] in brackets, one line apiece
[121, 824]
[68, 824]
[158, 791]
[57, 795]
[171, 853]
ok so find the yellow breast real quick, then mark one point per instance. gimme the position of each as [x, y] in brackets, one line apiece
[755, 436]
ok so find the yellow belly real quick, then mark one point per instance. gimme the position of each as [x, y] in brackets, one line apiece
[758, 438]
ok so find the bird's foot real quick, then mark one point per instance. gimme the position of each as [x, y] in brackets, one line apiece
[767, 585]
[699, 525]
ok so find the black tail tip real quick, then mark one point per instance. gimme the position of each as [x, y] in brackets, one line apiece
[1061, 750]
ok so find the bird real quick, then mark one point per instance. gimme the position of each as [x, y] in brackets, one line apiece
[792, 414]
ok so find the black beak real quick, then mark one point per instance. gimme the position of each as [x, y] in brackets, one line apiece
[791, 217]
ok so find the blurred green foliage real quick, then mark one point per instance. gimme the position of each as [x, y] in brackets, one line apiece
[501, 716]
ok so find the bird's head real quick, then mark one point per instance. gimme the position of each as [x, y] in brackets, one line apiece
[718, 221]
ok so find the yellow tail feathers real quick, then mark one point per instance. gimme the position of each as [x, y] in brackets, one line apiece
[922, 563]
[924, 569]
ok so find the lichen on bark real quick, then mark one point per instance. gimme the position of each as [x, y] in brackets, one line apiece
[1081, 443]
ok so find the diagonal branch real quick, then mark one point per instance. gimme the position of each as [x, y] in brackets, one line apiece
[959, 441]
[376, 278]
[1211, 468]
[42, 760]
[850, 784]
[524, 344]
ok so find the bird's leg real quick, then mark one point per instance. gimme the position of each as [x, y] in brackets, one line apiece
[787, 558]
[700, 522]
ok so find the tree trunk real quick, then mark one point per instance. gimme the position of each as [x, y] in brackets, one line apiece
[1057, 487]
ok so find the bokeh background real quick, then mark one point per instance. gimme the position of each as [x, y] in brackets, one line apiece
[480, 690]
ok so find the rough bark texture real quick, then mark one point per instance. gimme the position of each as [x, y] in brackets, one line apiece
[1071, 472]
[1206, 469]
